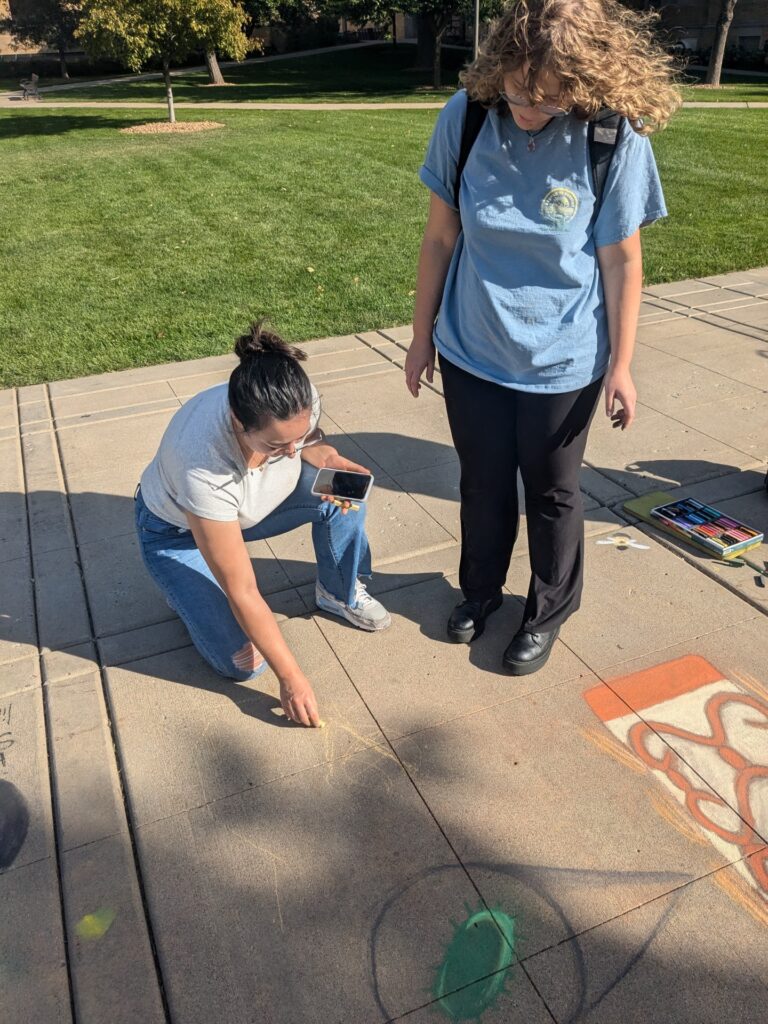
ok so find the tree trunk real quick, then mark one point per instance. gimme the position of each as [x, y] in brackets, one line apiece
[393, 15]
[715, 67]
[215, 76]
[439, 29]
[63, 61]
[425, 41]
[169, 91]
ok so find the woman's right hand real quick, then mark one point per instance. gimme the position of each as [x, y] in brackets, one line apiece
[298, 700]
[421, 357]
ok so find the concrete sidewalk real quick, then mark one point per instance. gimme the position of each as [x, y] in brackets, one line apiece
[584, 844]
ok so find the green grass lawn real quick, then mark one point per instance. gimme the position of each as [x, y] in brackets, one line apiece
[125, 250]
[375, 74]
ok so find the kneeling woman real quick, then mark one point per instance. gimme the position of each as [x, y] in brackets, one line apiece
[225, 473]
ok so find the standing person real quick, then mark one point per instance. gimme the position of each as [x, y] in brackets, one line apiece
[225, 473]
[536, 289]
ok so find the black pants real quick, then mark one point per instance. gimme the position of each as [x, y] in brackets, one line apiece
[497, 430]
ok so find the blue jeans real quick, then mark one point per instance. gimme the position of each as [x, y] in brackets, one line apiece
[174, 562]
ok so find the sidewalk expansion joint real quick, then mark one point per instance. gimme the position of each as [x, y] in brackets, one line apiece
[57, 855]
[115, 748]
[653, 899]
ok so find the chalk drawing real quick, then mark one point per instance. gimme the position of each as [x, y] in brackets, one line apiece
[696, 724]
[95, 925]
[483, 946]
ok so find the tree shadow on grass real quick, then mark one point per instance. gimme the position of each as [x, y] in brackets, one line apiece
[37, 123]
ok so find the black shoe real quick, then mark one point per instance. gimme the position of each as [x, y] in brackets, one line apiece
[467, 620]
[528, 652]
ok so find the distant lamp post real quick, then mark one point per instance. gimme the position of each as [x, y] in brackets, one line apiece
[477, 29]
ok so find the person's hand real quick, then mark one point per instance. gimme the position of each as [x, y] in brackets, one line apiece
[325, 456]
[298, 700]
[620, 387]
[421, 357]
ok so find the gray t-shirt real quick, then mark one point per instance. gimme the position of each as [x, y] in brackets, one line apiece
[200, 468]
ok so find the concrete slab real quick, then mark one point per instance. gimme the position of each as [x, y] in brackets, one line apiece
[402, 335]
[554, 831]
[113, 974]
[137, 376]
[601, 488]
[122, 595]
[740, 422]
[658, 452]
[759, 289]
[313, 870]
[18, 629]
[732, 279]
[20, 675]
[681, 291]
[62, 614]
[136, 644]
[638, 602]
[517, 1003]
[741, 578]
[450, 680]
[89, 801]
[693, 955]
[722, 351]
[129, 412]
[397, 528]
[188, 737]
[64, 666]
[107, 449]
[70, 407]
[399, 432]
[14, 540]
[31, 393]
[49, 521]
[735, 485]
[25, 795]
[683, 384]
[753, 314]
[34, 967]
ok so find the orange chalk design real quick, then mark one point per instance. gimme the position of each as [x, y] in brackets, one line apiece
[699, 725]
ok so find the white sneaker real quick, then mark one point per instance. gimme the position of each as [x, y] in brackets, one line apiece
[365, 613]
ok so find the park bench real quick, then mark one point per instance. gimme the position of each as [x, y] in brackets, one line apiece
[29, 87]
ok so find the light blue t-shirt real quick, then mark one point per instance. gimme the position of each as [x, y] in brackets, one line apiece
[523, 302]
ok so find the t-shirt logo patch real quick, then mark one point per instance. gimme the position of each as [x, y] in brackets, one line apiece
[559, 206]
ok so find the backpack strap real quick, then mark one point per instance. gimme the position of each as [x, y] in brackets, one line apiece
[473, 122]
[603, 134]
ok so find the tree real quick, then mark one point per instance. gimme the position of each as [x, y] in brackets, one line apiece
[435, 18]
[43, 22]
[136, 31]
[715, 66]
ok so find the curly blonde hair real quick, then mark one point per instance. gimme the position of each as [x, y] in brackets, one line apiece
[605, 55]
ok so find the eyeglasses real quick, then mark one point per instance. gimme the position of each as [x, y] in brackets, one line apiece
[284, 451]
[546, 108]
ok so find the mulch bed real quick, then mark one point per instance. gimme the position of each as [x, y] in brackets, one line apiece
[166, 128]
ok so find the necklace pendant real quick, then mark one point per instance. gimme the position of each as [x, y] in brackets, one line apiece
[531, 145]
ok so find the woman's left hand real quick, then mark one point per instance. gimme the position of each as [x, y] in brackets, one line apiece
[325, 456]
[619, 386]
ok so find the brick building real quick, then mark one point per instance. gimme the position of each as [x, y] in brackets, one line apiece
[694, 23]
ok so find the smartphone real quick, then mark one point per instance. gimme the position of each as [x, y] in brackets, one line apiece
[341, 484]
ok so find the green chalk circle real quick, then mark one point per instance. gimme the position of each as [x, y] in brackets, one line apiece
[482, 945]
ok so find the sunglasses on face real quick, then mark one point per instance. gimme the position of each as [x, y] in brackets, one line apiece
[515, 100]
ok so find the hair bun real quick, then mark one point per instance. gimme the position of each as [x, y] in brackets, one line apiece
[260, 341]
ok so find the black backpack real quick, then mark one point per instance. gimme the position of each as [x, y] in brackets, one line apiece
[603, 134]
